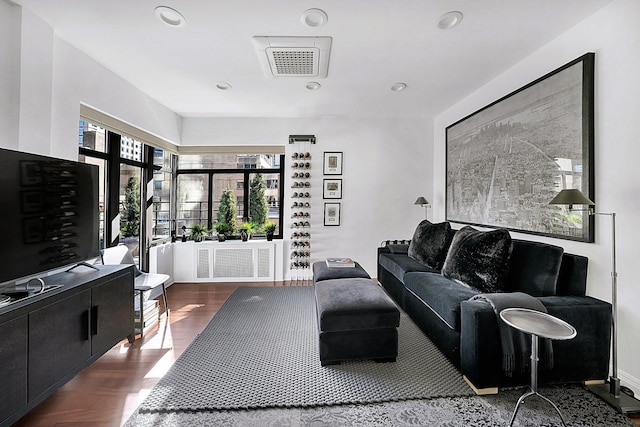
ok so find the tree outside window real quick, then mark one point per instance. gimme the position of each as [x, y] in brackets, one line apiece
[228, 210]
[258, 206]
[130, 215]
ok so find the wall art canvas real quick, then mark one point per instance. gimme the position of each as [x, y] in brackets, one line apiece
[506, 161]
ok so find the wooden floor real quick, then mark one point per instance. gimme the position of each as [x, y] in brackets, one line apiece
[107, 392]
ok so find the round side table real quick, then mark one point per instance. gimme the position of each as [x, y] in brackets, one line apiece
[537, 324]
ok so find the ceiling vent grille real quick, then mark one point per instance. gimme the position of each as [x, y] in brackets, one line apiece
[294, 56]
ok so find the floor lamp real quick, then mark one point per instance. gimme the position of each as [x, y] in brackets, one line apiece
[423, 202]
[610, 393]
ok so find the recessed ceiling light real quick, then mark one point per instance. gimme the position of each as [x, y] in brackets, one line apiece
[312, 85]
[314, 18]
[170, 17]
[223, 85]
[397, 87]
[449, 20]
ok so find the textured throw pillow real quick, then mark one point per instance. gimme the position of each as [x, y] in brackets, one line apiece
[430, 243]
[479, 259]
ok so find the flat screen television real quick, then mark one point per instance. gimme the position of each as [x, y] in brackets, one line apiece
[48, 214]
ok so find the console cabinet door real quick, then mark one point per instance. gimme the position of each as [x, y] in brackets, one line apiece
[112, 312]
[13, 366]
[59, 341]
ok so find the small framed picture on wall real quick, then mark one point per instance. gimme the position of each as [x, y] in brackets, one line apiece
[332, 163]
[332, 214]
[332, 189]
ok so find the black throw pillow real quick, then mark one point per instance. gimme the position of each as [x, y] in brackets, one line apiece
[479, 259]
[430, 243]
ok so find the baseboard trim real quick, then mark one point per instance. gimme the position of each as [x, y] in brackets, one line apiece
[480, 391]
[629, 381]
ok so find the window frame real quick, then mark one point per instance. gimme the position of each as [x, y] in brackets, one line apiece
[245, 173]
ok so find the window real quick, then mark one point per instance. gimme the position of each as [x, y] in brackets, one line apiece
[193, 200]
[91, 137]
[161, 212]
[125, 166]
[240, 173]
[101, 191]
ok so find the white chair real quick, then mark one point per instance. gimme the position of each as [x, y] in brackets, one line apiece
[143, 281]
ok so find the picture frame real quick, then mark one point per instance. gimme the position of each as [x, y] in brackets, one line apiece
[332, 214]
[506, 161]
[332, 188]
[332, 163]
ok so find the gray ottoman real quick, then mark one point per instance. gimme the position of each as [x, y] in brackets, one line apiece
[356, 320]
[322, 272]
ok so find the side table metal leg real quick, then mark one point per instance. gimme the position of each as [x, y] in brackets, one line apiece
[534, 383]
[520, 401]
[554, 407]
[164, 297]
[141, 313]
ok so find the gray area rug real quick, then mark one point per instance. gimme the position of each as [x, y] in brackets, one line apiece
[261, 351]
[579, 408]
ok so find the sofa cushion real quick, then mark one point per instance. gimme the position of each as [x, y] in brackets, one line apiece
[572, 279]
[441, 295]
[400, 264]
[534, 268]
[479, 259]
[430, 243]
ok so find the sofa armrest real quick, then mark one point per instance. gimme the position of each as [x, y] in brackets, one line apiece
[395, 246]
[481, 354]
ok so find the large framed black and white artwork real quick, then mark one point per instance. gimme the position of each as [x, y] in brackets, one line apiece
[506, 161]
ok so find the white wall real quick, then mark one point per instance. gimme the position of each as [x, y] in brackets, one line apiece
[386, 167]
[43, 81]
[36, 82]
[9, 73]
[613, 34]
[386, 162]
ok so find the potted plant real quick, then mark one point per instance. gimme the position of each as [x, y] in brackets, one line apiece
[221, 229]
[198, 231]
[269, 229]
[245, 231]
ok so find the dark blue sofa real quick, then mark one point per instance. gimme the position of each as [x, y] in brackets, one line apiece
[467, 331]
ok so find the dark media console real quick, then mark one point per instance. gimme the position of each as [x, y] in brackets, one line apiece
[48, 338]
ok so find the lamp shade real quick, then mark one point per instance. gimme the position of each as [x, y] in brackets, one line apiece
[571, 197]
[421, 201]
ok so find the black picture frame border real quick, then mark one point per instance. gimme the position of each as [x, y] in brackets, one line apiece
[588, 151]
[326, 170]
[325, 191]
[327, 222]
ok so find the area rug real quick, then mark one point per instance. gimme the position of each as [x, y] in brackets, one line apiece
[261, 351]
[579, 408]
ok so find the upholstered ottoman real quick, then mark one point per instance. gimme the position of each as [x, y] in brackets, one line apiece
[323, 272]
[356, 320]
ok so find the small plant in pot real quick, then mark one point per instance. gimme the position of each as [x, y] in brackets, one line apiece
[245, 231]
[198, 231]
[270, 229]
[221, 229]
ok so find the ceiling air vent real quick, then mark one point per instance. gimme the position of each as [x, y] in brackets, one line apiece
[294, 56]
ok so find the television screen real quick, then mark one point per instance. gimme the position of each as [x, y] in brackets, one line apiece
[48, 215]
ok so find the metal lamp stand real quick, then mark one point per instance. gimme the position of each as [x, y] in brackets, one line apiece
[610, 393]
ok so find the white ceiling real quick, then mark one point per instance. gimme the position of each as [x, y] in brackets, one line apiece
[375, 43]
